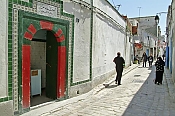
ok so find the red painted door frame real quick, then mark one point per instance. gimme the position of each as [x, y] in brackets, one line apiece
[61, 74]
[26, 75]
[61, 77]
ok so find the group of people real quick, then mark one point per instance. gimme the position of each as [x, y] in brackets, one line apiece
[159, 64]
[145, 58]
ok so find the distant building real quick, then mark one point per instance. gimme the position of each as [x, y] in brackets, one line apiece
[145, 35]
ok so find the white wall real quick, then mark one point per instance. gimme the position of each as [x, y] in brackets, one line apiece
[173, 39]
[107, 39]
[107, 8]
[3, 48]
[81, 55]
[127, 52]
[38, 59]
[147, 22]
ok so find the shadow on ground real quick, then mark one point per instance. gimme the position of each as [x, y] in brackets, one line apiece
[143, 101]
[110, 86]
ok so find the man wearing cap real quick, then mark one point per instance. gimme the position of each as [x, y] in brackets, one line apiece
[120, 64]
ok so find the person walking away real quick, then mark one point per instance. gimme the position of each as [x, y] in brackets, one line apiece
[120, 64]
[137, 58]
[150, 60]
[159, 70]
[144, 58]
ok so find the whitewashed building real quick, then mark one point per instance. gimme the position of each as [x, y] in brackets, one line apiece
[53, 49]
[146, 36]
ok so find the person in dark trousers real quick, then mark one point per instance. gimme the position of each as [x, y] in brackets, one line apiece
[120, 64]
[144, 58]
[163, 56]
[150, 60]
[159, 70]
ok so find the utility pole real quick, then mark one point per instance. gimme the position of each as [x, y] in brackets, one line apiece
[139, 10]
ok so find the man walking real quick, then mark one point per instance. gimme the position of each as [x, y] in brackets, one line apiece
[150, 60]
[144, 57]
[120, 63]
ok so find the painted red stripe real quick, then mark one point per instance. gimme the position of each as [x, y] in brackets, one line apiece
[28, 36]
[60, 39]
[46, 25]
[61, 76]
[32, 29]
[58, 33]
[26, 76]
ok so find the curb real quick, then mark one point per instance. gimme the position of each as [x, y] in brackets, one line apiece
[169, 83]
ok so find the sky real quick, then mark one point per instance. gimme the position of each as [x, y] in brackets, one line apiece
[134, 8]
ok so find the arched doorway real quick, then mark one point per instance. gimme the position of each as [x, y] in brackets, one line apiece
[44, 64]
[53, 37]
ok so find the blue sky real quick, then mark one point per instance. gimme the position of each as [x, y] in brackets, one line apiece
[148, 8]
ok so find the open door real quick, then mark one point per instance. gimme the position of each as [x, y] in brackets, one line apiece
[51, 65]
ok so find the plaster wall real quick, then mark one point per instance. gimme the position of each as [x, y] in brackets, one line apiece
[134, 22]
[38, 59]
[108, 39]
[6, 108]
[170, 48]
[88, 1]
[173, 41]
[152, 42]
[81, 55]
[108, 9]
[147, 22]
[3, 48]
[127, 52]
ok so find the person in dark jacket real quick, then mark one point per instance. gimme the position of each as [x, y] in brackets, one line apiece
[159, 70]
[144, 58]
[120, 63]
[150, 60]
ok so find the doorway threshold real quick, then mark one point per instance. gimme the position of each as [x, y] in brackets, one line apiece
[42, 105]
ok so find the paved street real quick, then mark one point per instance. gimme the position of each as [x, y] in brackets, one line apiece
[137, 96]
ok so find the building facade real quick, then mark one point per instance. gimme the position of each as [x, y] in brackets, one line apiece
[68, 45]
[145, 35]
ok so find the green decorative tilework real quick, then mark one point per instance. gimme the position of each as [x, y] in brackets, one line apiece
[15, 60]
[91, 36]
[30, 9]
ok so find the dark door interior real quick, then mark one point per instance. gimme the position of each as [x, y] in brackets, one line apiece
[51, 65]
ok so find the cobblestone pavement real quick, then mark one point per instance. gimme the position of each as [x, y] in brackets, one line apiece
[137, 96]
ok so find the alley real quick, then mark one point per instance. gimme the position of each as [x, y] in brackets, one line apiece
[137, 96]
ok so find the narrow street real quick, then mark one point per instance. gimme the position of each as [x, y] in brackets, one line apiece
[137, 96]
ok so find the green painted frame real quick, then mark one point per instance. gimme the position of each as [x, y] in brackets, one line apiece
[22, 40]
[91, 40]
[10, 34]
